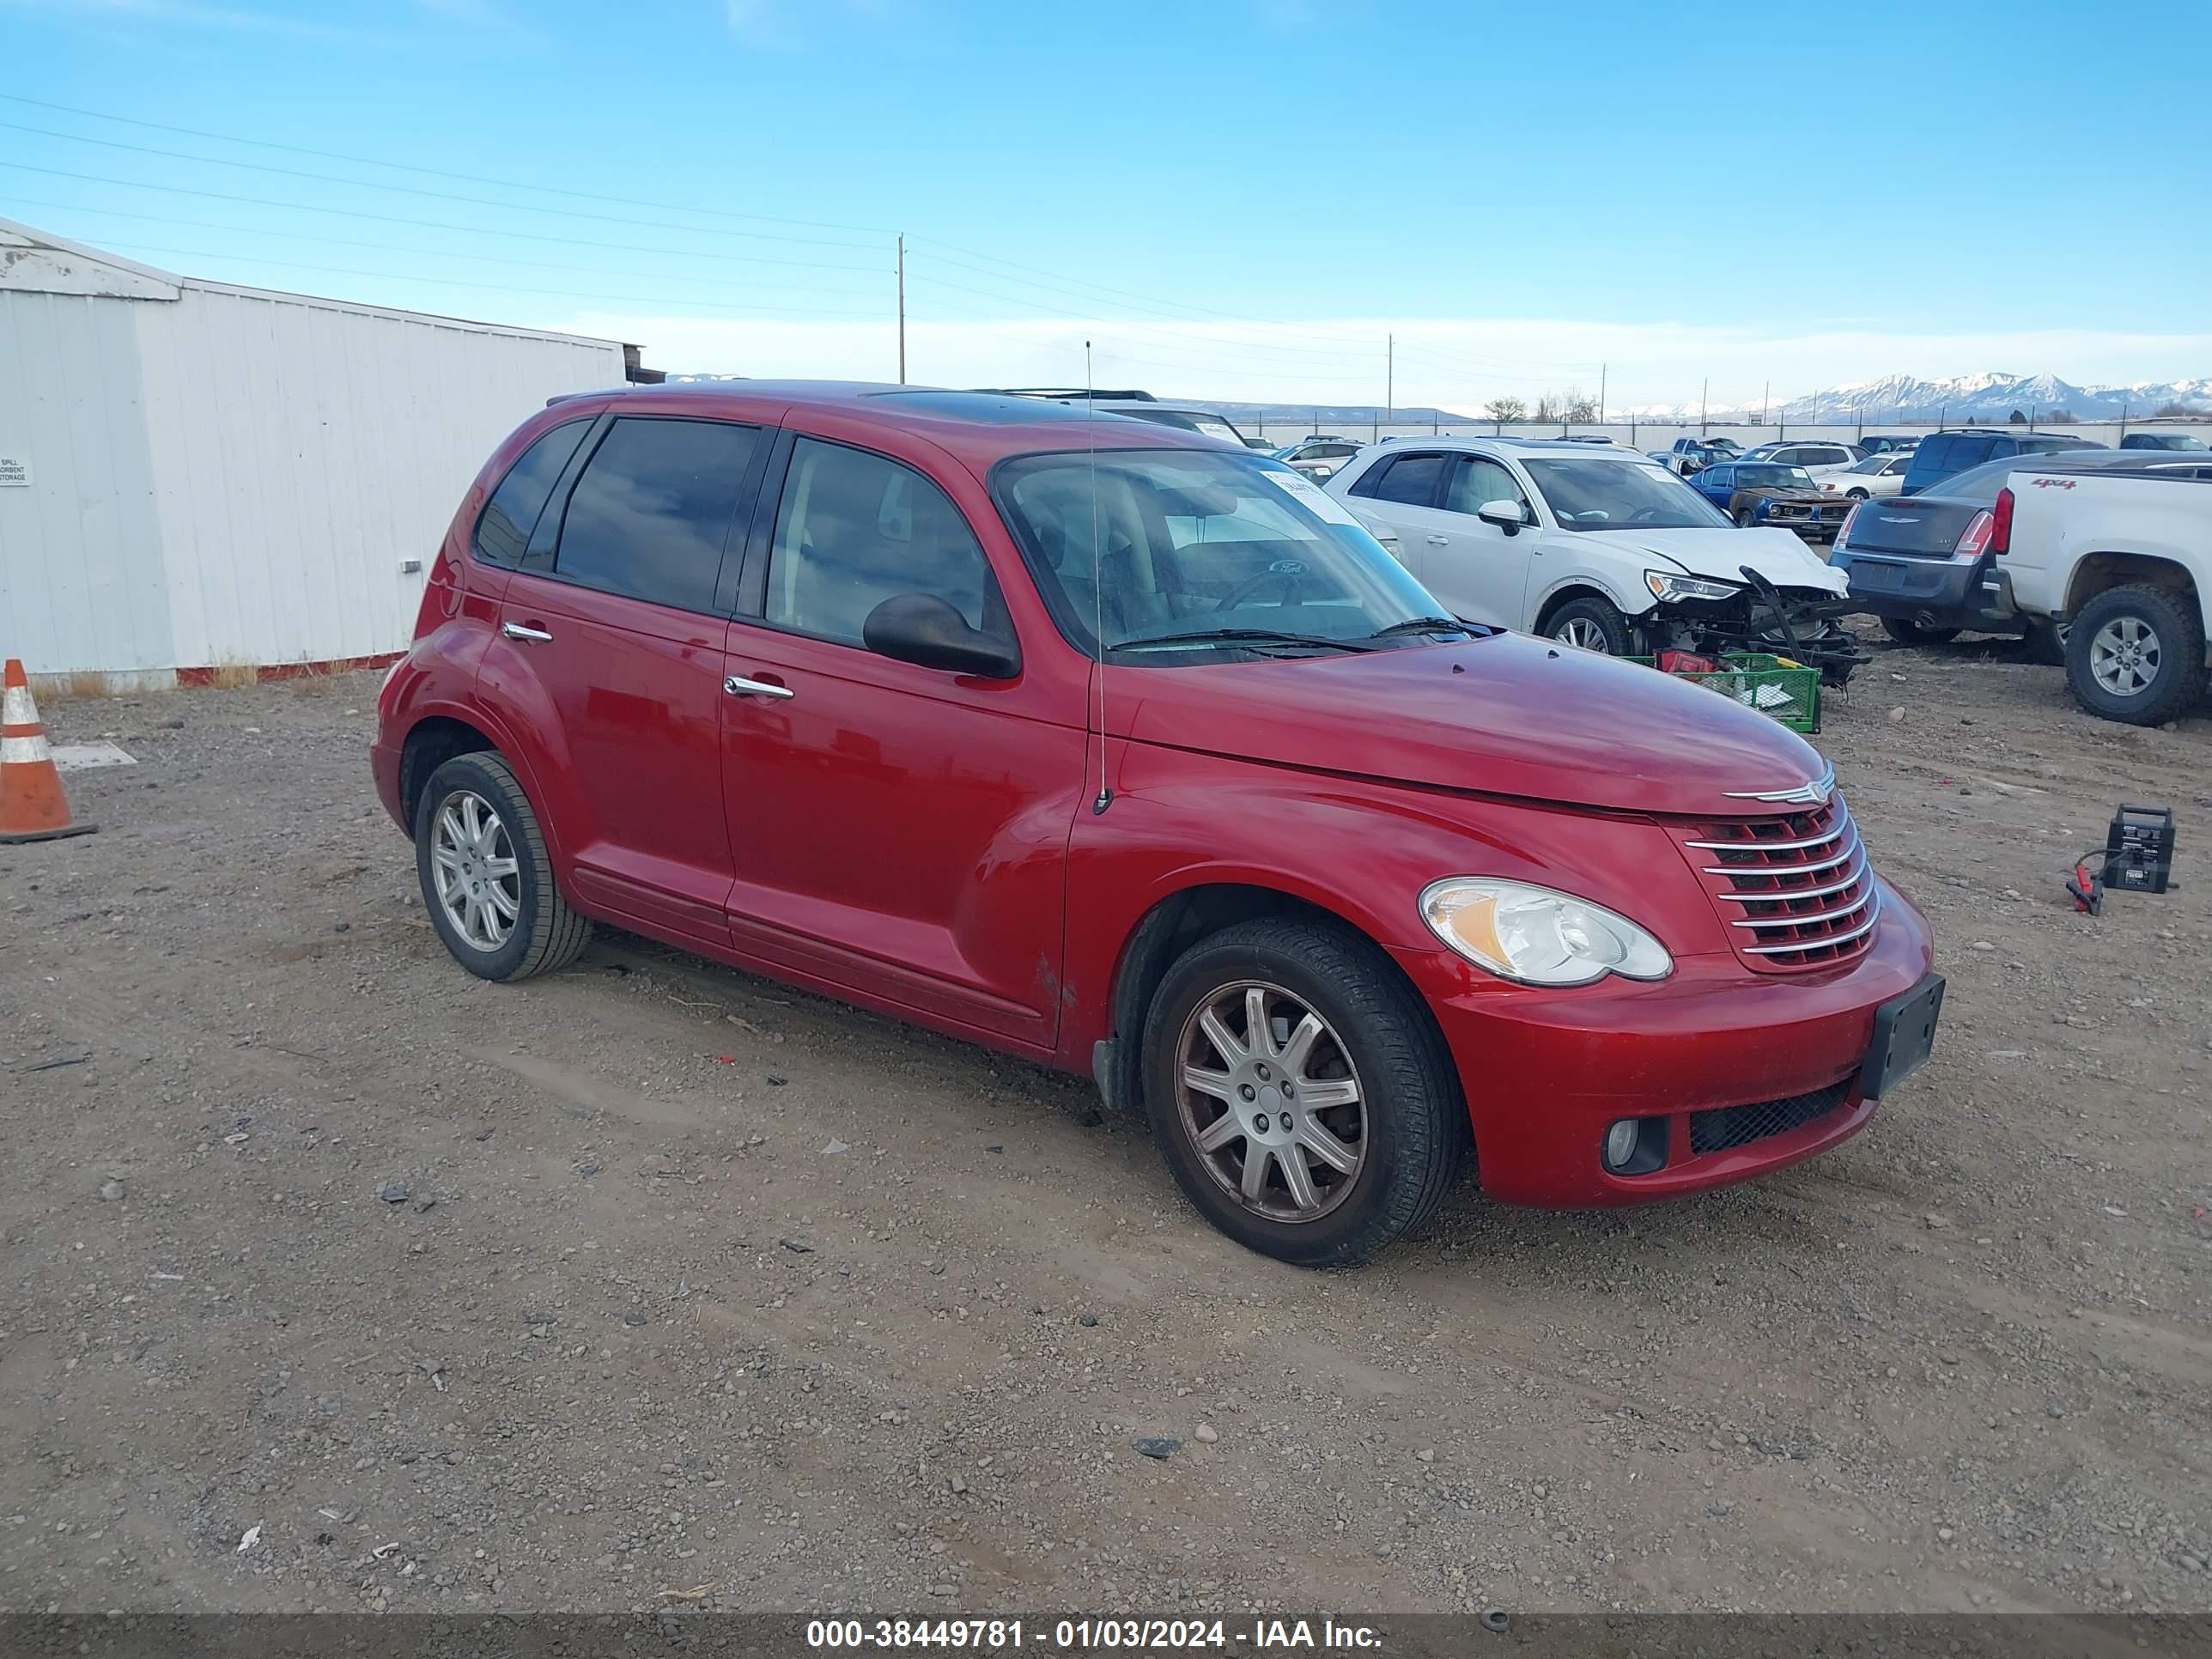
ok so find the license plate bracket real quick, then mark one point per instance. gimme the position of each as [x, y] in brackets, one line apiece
[1904, 1036]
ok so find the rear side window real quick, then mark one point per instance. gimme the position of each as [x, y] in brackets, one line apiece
[1409, 479]
[504, 527]
[652, 509]
[854, 529]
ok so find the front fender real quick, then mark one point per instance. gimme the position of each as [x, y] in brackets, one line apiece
[1359, 850]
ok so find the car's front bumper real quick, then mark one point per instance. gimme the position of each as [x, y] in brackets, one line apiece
[1934, 592]
[1547, 1073]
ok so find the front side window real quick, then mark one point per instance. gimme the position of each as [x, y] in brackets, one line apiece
[1601, 494]
[854, 529]
[1154, 549]
[503, 528]
[1478, 480]
[652, 509]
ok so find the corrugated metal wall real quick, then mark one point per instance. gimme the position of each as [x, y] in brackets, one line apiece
[235, 476]
[81, 583]
[301, 452]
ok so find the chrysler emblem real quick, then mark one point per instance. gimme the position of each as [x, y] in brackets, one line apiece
[1814, 793]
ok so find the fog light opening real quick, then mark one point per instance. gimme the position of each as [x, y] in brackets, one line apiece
[1620, 1145]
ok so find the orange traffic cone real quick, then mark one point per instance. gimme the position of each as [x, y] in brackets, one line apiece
[32, 804]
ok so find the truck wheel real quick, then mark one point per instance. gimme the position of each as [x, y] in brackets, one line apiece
[486, 878]
[1590, 625]
[1913, 633]
[2137, 654]
[1300, 1091]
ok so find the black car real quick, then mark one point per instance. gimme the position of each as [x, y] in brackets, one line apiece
[1928, 565]
[1942, 454]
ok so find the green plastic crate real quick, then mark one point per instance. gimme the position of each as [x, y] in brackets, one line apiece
[1757, 680]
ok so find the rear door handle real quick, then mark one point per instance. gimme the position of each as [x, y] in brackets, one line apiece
[738, 686]
[1440, 541]
[528, 635]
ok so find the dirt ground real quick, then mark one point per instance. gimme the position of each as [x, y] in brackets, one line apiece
[334, 1278]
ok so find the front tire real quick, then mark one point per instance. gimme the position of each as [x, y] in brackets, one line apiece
[1746, 517]
[487, 878]
[1854, 494]
[1590, 624]
[1300, 1093]
[1913, 633]
[2137, 654]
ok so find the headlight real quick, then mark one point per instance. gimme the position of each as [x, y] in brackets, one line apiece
[1537, 936]
[1667, 588]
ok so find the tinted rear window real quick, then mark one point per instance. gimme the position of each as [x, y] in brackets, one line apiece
[503, 529]
[1411, 479]
[652, 510]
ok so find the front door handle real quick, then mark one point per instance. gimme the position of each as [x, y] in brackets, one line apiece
[528, 635]
[1440, 541]
[738, 686]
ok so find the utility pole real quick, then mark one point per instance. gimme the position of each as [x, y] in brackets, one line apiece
[1704, 387]
[1765, 396]
[1390, 378]
[901, 308]
[1601, 394]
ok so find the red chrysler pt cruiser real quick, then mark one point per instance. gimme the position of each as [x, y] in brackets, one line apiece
[1130, 752]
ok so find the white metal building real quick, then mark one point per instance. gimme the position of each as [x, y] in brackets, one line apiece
[194, 475]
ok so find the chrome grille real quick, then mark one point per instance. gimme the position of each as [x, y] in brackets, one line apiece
[1795, 891]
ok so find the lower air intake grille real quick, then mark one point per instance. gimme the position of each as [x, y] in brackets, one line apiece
[1739, 1125]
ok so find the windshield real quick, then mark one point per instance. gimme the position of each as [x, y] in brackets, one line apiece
[1607, 494]
[1772, 477]
[1142, 544]
[1873, 464]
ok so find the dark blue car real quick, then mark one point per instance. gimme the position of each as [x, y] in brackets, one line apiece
[1767, 493]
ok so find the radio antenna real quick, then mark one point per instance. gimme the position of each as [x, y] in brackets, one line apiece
[1104, 799]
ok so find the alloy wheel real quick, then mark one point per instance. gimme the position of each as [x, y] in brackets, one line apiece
[1582, 633]
[1269, 1096]
[2124, 656]
[479, 880]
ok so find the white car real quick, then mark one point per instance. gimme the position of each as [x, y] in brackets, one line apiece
[1812, 454]
[1875, 478]
[1597, 548]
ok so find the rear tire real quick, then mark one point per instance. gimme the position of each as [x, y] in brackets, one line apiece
[2136, 655]
[1590, 624]
[1913, 633]
[491, 895]
[1405, 1129]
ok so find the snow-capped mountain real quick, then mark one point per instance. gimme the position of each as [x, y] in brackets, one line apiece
[1982, 398]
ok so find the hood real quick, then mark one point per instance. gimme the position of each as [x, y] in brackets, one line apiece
[1509, 715]
[1780, 555]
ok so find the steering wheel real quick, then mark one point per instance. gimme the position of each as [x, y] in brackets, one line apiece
[1290, 581]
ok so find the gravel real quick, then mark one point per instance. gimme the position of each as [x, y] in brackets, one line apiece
[728, 1368]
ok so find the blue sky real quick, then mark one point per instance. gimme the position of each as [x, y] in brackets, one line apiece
[1239, 199]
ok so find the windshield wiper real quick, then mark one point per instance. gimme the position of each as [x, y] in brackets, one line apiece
[1423, 625]
[1246, 636]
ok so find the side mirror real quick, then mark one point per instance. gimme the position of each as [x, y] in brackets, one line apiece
[1509, 516]
[923, 630]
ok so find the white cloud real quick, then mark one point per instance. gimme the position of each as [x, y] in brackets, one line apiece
[1455, 363]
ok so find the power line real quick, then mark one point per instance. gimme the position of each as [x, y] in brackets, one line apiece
[503, 287]
[320, 241]
[439, 172]
[436, 195]
[1069, 285]
[428, 224]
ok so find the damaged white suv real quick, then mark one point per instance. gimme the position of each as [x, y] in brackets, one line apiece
[1606, 551]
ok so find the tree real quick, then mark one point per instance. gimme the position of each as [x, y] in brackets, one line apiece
[1579, 408]
[1506, 411]
[2017, 418]
[2062, 417]
[1547, 410]
[2171, 412]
